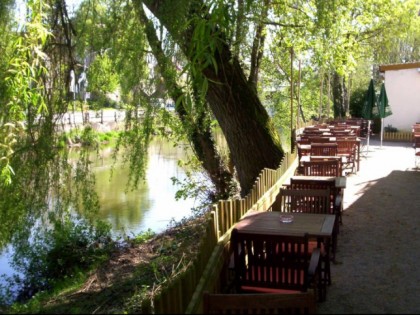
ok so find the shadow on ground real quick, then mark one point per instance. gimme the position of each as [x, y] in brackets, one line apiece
[378, 257]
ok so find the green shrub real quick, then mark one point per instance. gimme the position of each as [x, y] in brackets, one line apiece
[72, 245]
[390, 128]
[89, 137]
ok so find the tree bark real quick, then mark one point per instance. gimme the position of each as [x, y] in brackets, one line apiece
[253, 142]
[198, 132]
[340, 98]
[258, 47]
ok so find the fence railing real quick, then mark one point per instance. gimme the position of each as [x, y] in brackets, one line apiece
[184, 293]
[398, 136]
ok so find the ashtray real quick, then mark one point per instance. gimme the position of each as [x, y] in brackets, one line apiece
[286, 218]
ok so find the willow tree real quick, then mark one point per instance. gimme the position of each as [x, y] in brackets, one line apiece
[33, 170]
[223, 62]
[202, 31]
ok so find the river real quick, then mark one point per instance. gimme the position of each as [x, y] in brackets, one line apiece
[151, 206]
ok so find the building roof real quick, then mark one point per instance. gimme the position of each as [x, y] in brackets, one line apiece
[399, 66]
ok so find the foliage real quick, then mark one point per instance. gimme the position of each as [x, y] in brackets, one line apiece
[344, 37]
[100, 100]
[101, 76]
[24, 90]
[357, 102]
[390, 128]
[196, 186]
[70, 246]
[143, 237]
[89, 137]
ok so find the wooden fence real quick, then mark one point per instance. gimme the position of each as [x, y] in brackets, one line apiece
[404, 136]
[209, 271]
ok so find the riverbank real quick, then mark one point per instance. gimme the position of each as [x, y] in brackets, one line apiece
[137, 270]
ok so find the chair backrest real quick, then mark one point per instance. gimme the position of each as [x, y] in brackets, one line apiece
[322, 168]
[346, 137]
[416, 142]
[319, 139]
[317, 184]
[324, 158]
[299, 303]
[303, 200]
[264, 262]
[324, 149]
[347, 146]
[303, 140]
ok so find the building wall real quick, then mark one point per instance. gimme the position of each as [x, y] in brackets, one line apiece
[403, 91]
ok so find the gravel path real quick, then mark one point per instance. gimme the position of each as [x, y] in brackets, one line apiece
[378, 258]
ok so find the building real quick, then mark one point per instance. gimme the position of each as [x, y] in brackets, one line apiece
[402, 84]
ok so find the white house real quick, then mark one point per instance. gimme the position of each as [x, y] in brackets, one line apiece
[402, 84]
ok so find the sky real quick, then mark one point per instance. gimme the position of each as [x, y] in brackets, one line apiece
[73, 4]
[20, 7]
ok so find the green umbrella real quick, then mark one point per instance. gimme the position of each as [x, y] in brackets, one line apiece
[383, 105]
[383, 108]
[370, 101]
[369, 104]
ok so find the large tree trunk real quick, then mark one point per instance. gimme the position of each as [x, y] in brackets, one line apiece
[340, 97]
[253, 142]
[258, 47]
[198, 132]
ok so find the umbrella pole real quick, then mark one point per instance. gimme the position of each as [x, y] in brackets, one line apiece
[368, 137]
[382, 130]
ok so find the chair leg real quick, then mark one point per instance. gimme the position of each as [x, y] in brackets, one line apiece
[326, 279]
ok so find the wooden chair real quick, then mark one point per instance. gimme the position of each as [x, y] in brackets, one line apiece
[319, 139]
[348, 150]
[266, 303]
[335, 169]
[303, 200]
[323, 167]
[336, 201]
[311, 201]
[416, 146]
[324, 149]
[275, 264]
[336, 194]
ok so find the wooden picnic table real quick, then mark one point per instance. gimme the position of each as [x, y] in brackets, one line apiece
[268, 222]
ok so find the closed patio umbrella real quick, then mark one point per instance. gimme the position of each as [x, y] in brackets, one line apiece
[369, 104]
[384, 109]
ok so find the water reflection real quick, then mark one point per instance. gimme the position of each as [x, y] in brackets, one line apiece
[151, 206]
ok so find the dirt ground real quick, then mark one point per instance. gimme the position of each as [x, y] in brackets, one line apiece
[378, 258]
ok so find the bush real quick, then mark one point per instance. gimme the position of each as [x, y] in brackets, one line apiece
[357, 102]
[89, 137]
[71, 246]
[390, 128]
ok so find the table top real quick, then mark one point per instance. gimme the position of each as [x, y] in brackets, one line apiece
[268, 223]
[308, 158]
[340, 181]
[332, 139]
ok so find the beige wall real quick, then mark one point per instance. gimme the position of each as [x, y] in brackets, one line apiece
[403, 91]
